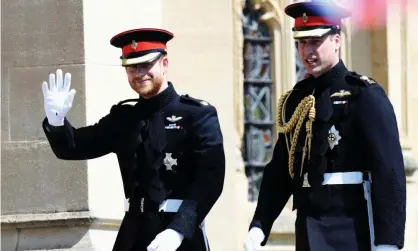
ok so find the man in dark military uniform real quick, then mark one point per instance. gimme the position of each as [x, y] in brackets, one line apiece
[169, 148]
[338, 151]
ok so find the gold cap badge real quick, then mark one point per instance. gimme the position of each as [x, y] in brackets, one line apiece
[305, 18]
[134, 45]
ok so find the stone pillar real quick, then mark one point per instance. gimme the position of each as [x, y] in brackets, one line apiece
[378, 56]
[361, 51]
[37, 188]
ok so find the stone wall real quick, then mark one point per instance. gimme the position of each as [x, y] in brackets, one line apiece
[38, 37]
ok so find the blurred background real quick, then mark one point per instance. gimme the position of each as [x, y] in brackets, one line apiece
[238, 55]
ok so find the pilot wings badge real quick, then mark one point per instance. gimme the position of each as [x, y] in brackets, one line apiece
[173, 118]
[341, 93]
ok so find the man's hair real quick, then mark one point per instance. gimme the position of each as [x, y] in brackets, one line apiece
[331, 34]
[335, 32]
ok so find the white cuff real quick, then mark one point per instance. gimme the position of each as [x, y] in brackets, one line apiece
[387, 248]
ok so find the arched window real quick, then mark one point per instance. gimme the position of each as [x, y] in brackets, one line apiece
[258, 118]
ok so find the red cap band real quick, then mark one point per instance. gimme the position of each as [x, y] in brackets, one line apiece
[309, 21]
[142, 46]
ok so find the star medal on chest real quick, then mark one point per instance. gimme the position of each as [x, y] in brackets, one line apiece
[169, 162]
[333, 137]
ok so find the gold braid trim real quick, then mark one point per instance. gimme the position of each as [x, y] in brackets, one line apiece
[306, 107]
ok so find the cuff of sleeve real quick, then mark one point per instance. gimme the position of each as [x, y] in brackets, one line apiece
[50, 128]
[387, 248]
[184, 221]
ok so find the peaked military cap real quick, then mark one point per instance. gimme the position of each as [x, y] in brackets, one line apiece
[316, 18]
[141, 45]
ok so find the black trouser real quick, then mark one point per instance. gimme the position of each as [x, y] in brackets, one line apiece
[332, 232]
[138, 230]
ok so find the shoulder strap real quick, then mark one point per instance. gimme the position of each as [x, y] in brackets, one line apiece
[187, 99]
[361, 79]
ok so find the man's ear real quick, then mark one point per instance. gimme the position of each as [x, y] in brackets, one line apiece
[164, 63]
[337, 39]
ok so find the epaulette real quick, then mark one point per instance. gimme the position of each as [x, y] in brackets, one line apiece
[127, 101]
[362, 79]
[186, 98]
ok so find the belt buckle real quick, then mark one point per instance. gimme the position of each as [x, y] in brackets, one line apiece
[142, 204]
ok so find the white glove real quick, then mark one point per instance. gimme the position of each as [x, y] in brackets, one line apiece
[167, 240]
[58, 99]
[254, 239]
[386, 248]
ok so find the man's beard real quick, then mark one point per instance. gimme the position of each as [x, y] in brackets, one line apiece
[149, 92]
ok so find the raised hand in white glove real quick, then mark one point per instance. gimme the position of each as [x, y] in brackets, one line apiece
[386, 248]
[254, 239]
[167, 240]
[58, 99]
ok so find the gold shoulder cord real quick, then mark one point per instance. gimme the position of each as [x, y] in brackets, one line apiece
[306, 107]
